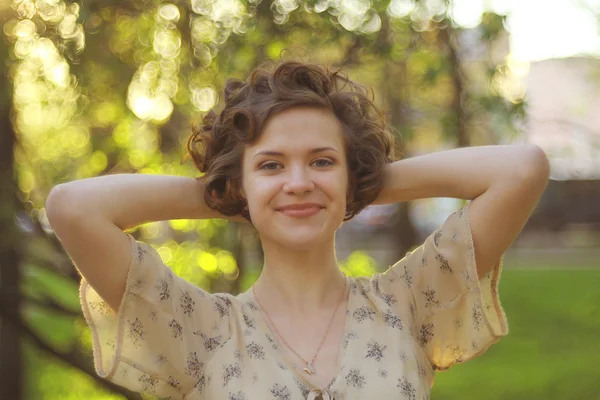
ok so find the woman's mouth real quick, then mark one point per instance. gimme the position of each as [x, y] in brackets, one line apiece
[300, 210]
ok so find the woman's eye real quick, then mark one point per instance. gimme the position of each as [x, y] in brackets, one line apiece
[323, 162]
[269, 166]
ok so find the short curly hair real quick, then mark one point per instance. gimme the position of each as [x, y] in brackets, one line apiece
[217, 146]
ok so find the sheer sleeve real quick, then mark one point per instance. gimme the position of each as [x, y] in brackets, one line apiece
[455, 315]
[164, 333]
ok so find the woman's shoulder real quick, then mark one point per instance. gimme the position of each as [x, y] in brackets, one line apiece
[235, 302]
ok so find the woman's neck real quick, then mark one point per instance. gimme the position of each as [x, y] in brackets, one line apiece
[300, 281]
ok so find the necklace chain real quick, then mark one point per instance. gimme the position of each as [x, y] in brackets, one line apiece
[309, 364]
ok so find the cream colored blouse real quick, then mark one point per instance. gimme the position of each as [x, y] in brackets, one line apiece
[176, 341]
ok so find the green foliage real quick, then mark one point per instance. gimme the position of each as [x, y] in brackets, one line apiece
[49, 379]
[492, 25]
[359, 263]
[42, 283]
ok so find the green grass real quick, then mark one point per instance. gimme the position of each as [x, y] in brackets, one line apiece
[553, 346]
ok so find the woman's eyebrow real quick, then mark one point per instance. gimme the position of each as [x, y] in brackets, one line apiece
[280, 154]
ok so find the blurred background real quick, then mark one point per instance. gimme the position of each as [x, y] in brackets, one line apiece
[102, 87]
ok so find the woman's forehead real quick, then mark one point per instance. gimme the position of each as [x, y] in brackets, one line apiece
[301, 128]
[289, 142]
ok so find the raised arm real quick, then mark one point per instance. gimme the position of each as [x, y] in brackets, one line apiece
[504, 182]
[155, 311]
[90, 215]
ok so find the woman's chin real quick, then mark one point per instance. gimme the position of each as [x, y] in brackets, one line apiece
[303, 239]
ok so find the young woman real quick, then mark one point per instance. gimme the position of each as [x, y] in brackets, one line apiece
[296, 155]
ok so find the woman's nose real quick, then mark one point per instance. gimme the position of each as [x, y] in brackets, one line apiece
[298, 182]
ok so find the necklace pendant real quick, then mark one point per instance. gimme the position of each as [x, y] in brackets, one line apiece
[309, 368]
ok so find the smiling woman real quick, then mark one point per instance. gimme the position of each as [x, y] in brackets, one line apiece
[307, 166]
[305, 91]
[296, 155]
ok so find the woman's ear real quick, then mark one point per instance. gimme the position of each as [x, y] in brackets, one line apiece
[245, 209]
[244, 198]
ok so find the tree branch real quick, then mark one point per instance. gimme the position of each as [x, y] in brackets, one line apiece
[49, 304]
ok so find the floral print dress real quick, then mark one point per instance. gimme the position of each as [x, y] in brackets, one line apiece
[177, 341]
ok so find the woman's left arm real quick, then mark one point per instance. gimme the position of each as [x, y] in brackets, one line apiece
[504, 182]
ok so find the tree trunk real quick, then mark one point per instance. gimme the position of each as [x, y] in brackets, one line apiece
[450, 46]
[10, 344]
[396, 95]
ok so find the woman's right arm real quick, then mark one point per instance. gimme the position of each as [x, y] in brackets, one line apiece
[150, 342]
[90, 215]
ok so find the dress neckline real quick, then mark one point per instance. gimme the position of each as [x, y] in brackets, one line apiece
[280, 355]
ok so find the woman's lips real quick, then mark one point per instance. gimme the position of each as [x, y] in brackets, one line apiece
[301, 212]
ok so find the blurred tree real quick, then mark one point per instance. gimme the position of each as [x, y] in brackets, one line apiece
[112, 87]
[10, 344]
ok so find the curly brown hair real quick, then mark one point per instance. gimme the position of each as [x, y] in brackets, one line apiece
[217, 146]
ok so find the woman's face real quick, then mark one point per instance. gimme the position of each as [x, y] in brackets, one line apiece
[295, 178]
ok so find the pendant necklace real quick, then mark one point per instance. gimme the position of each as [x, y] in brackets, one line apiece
[309, 369]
